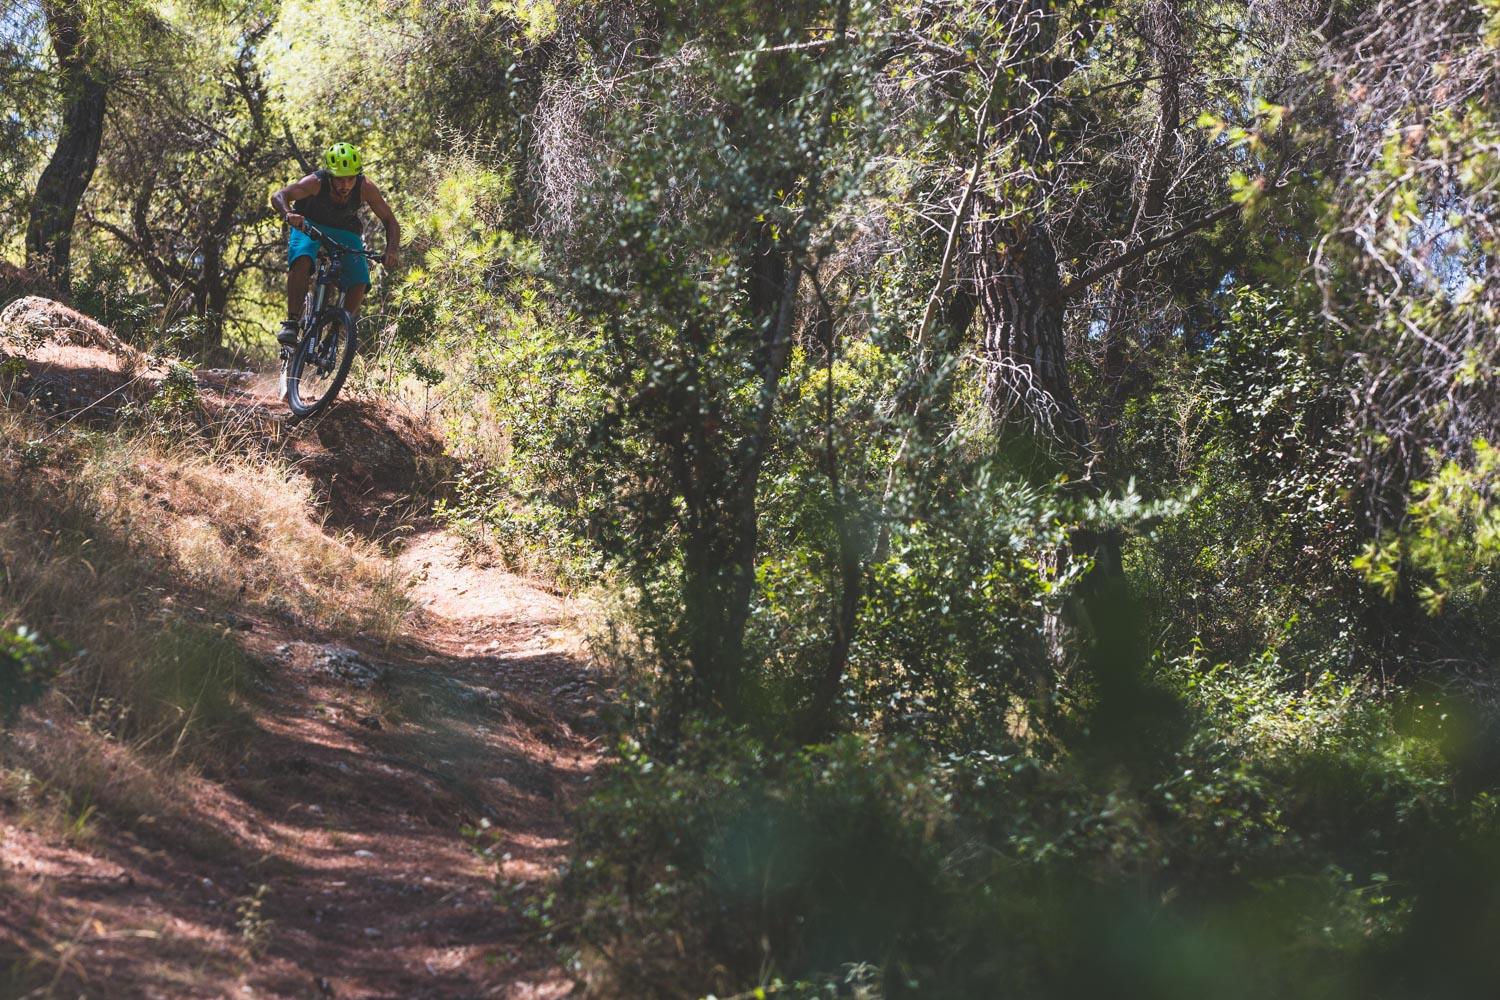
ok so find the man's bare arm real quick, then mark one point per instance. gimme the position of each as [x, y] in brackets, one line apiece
[282, 200]
[382, 210]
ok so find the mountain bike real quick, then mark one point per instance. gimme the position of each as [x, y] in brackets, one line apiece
[313, 371]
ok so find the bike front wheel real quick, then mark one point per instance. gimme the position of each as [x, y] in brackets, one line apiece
[320, 363]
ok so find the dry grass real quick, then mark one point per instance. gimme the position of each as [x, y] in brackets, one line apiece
[247, 530]
[60, 777]
[236, 529]
[128, 551]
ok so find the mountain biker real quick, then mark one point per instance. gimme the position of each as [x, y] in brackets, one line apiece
[331, 198]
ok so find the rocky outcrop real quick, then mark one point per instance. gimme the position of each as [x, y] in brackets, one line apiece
[36, 320]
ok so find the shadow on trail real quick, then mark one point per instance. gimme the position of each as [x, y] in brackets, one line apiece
[379, 782]
[334, 848]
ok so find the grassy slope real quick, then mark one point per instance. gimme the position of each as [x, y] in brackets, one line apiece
[136, 551]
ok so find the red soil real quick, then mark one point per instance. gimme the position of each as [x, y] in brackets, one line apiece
[327, 857]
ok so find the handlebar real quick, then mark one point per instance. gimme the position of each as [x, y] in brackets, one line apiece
[334, 246]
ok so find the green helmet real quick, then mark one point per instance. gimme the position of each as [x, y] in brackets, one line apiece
[342, 160]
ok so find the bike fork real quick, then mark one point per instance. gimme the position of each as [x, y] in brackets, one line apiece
[287, 354]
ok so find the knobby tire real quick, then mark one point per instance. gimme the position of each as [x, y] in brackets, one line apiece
[309, 390]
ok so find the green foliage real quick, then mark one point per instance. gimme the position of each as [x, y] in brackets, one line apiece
[323, 57]
[687, 254]
[1263, 706]
[1450, 542]
[740, 856]
[25, 78]
[531, 529]
[1257, 431]
[951, 643]
[1280, 863]
[698, 293]
[179, 390]
[26, 668]
[107, 288]
[251, 921]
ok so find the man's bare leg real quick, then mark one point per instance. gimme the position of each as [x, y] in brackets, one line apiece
[353, 297]
[298, 277]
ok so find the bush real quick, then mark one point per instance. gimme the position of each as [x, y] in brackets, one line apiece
[25, 670]
[702, 872]
[1282, 847]
[108, 290]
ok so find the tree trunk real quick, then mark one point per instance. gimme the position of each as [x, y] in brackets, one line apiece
[1016, 275]
[1021, 310]
[214, 300]
[723, 512]
[218, 280]
[54, 205]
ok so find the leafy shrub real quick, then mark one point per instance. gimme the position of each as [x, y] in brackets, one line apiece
[179, 390]
[1255, 430]
[1449, 546]
[108, 289]
[694, 874]
[1282, 846]
[25, 670]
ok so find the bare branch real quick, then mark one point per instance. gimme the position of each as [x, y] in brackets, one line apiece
[1074, 287]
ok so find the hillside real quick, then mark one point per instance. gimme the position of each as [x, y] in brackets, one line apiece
[282, 696]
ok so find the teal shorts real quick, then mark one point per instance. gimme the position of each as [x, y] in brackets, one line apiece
[356, 269]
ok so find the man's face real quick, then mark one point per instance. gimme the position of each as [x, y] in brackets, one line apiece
[342, 186]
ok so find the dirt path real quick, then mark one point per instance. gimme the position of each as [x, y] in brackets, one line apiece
[328, 860]
[474, 720]
[327, 857]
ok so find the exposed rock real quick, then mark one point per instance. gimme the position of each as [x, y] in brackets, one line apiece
[473, 694]
[42, 321]
[229, 376]
[346, 665]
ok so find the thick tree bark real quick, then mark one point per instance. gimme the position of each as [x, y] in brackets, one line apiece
[1017, 281]
[54, 205]
[1021, 310]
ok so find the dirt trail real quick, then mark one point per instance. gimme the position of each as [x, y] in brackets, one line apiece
[326, 858]
[470, 721]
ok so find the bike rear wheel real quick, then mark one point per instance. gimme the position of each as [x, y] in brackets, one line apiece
[320, 363]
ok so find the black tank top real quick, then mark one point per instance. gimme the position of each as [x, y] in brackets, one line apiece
[321, 209]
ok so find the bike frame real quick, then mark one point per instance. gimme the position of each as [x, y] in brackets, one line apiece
[315, 356]
[328, 263]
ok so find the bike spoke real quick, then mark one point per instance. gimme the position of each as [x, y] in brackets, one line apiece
[320, 364]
